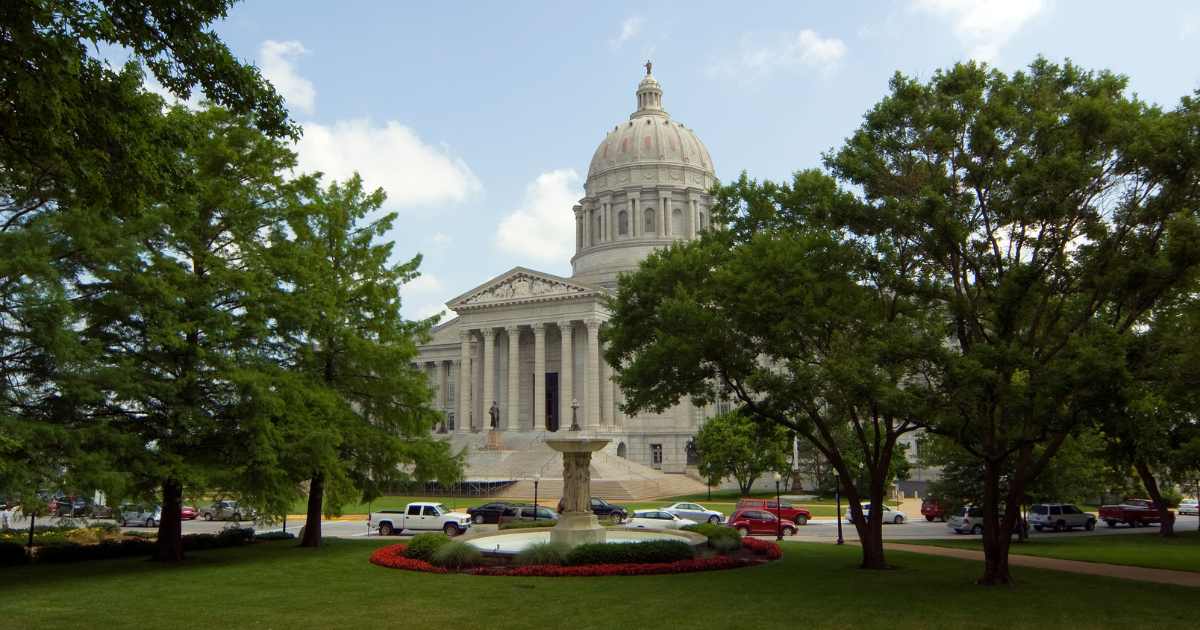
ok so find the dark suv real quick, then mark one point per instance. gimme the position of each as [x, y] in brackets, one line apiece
[603, 509]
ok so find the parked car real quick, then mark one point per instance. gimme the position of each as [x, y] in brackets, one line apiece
[656, 519]
[1189, 507]
[1132, 512]
[695, 512]
[603, 509]
[932, 510]
[228, 511]
[1060, 517]
[488, 512]
[890, 514]
[137, 515]
[757, 521]
[188, 513]
[526, 513]
[420, 517]
[785, 510]
[969, 520]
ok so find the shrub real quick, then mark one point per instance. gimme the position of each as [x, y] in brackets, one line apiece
[423, 546]
[650, 552]
[543, 553]
[456, 556]
[276, 535]
[720, 538]
[71, 552]
[235, 536]
[528, 524]
[12, 554]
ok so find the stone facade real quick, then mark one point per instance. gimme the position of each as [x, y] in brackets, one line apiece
[529, 341]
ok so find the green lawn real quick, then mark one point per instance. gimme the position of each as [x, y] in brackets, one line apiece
[1181, 553]
[276, 585]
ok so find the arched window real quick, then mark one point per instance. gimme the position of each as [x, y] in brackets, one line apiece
[623, 223]
[621, 450]
[649, 212]
[677, 221]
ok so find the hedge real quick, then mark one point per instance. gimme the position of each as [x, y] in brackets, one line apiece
[649, 552]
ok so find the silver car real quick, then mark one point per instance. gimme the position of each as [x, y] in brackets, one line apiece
[227, 511]
[1060, 517]
[695, 512]
[132, 515]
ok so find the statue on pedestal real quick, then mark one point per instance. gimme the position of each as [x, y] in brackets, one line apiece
[494, 414]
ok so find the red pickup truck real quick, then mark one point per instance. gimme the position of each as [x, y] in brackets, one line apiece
[1133, 512]
[797, 515]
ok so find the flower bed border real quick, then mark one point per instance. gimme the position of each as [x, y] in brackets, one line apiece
[392, 556]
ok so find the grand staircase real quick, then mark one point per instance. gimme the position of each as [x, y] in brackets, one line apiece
[522, 456]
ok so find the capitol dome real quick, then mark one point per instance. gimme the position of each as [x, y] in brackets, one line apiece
[647, 185]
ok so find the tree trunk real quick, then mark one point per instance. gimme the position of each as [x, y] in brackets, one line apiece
[995, 539]
[1166, 522]
[170, 527]
[312, 521]
[870, 531]
[32, 520]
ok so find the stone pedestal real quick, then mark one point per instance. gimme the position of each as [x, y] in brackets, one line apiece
[494, 441]
[577, 525]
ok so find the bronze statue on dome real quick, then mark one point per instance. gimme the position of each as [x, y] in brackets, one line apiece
[648, 66]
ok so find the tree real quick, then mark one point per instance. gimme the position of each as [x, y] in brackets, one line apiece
[339, 327]
[1046, 213]
[177, 318]
[802, 327]
[733, 445]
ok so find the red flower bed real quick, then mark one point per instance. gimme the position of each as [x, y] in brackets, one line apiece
[392, 556]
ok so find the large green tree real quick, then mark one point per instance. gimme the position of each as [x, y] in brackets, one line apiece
[734, 445]
[800, 326]
[340, 327]
[1047, 212]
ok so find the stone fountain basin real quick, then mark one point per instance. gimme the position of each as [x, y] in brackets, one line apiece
[510, 543]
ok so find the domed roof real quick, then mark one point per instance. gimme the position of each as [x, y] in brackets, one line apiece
[650, 137]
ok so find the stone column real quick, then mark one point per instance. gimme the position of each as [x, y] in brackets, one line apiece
[513, 421]
[539, 376]
[635, 227]
[666, 217]
[606, 394]
[489, 376]
[577, 479]
[586, 217]
[566, 385]
[592, 376]
[462, 415]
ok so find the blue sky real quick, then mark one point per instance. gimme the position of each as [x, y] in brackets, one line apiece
[480, 119]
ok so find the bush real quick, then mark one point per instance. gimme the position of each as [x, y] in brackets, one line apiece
[456, 556]
[720, 538]
[528, 524]
[423, 546]
[236, 536]
[543, 553]
[12, 554]
[71, 552]
[650, 552]
[276, 535]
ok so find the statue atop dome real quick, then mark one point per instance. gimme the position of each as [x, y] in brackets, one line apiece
[648, 65]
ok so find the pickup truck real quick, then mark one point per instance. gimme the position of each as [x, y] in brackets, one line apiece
[1133, 512]
[420, 517]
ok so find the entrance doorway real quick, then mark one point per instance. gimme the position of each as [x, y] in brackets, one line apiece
[656, 456]
[551, 401]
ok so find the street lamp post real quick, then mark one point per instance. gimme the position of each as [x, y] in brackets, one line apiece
[837, 494]
[778, 510]
[574, 414]
[536, 479]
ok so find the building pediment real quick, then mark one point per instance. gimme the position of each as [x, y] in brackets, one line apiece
[520, 286]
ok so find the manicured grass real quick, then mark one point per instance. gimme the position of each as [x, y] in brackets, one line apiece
[1181, 553]
[277, 585]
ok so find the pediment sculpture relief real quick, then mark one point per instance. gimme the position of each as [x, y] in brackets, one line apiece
[522, 286]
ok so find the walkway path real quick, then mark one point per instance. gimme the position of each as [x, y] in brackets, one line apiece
[1159, 576]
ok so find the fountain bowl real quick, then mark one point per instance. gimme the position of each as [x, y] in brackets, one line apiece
[513, 542]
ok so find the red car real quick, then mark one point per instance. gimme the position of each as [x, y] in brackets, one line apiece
[788, 512]
[757, 521]
[932, 510]
[188, 513]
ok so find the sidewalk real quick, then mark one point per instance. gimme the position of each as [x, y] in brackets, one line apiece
[1142, 574]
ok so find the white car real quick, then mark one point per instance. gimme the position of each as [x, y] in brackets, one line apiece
[656, 519]
[695, 512]
[1188, 507]
[890, 514]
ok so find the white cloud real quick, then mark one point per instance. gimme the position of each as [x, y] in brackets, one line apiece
[440, 240]
[794, 51]
[983, 26]
[424, 283]
[391, 156]
[630, 27]
[543, 228]
[278, 66]
[151, 84]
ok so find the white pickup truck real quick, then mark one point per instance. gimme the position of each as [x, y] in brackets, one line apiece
[420, 517]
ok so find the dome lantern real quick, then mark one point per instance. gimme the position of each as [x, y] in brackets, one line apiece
[649, 96]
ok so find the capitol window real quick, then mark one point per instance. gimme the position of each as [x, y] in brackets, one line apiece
[649, 212]
[623, 223]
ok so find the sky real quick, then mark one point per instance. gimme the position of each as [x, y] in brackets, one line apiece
[479, 119]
